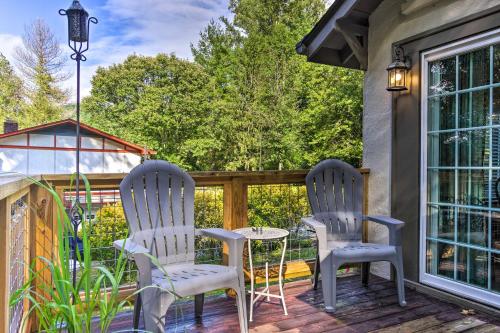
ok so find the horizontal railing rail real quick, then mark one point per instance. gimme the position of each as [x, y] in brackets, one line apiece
[235, 185]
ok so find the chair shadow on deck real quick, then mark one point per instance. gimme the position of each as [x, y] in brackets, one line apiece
[359, 309]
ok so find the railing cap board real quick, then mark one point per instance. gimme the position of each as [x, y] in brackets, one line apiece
[13, 183]
[207, 177]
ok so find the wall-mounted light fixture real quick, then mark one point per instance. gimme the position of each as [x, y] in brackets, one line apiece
[398, 71]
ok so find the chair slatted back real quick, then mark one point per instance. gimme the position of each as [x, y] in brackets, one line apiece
[335, 193]
[158, 200]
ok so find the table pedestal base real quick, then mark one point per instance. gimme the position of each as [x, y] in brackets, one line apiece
[255, 295]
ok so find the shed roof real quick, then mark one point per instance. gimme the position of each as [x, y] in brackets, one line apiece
[86, 129]
[340, 37]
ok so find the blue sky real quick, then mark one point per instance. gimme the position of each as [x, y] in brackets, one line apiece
[125, 27]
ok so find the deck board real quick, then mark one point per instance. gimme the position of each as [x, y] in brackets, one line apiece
[359, 309]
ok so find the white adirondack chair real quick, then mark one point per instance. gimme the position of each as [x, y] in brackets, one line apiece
[335, 192]
[158, 200]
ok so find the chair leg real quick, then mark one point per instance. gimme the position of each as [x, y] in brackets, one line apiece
[241, 302]
[328, 276]
[198, 305]
[156, 304]
[334, 287]
[365, 273]
[137, 311]
[398, 265]
[316, 273]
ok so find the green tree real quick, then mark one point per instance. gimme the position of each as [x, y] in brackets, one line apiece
[255, 65]
[331, 116]
[248, 102]
[11, 92]
[41, 62]
[161, 102]
[272, 95]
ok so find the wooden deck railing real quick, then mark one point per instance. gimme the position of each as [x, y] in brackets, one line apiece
[40, 233]
[235, 185]
[16, 246]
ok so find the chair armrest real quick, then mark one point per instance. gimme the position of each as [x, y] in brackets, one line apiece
[385, 220]
[234, 241]
[320, 229]
[220, 234]
[140, 255]
[392, 224]
[130, 247]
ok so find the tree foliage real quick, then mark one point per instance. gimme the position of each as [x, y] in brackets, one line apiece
[161, 102]
[41, 62]
[247, 102]
[331, 117]
[11, 92]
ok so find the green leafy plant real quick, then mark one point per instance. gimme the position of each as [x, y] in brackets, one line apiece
[61, 306]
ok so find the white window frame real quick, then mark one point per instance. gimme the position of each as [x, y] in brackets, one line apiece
[463, 290]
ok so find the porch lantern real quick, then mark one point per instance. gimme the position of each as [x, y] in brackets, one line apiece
[77, 23]
[398, 71]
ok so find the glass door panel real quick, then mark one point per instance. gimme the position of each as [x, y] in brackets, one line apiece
[474, 108]
[474, 69]
[496, 63]
[462, 231]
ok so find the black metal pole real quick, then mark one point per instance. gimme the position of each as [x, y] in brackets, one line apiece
[78, 33]
[77, 218]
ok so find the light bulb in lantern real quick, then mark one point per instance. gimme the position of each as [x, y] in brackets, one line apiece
[397, 71]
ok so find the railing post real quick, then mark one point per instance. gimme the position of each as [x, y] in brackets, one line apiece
[55, 227]
[235, 204]
[235, 207]
[42, 224]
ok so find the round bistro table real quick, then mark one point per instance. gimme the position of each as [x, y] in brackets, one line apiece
[265, 234]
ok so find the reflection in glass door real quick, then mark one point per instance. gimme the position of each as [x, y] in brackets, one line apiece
[461, 200]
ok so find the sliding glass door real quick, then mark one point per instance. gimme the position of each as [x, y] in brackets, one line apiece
[460, 240]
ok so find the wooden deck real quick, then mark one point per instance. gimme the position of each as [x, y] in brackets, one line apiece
[359, 309]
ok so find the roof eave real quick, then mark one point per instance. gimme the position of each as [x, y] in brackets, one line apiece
[136, 148]
[306, 40]
[340, 37]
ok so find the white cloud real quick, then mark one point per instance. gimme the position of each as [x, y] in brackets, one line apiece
[148, 27]
[102, 53]
[164, 25]
[145, 27]
[8, 44]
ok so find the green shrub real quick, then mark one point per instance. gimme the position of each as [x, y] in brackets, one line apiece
[276, 206]
[109, 225]
[208, 213]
